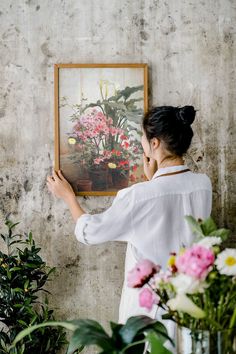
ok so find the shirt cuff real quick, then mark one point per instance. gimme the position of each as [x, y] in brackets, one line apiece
[80, 227]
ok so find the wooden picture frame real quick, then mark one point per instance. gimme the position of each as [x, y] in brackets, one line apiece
[98, 111]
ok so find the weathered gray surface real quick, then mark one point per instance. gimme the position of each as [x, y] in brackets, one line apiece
[190, 48]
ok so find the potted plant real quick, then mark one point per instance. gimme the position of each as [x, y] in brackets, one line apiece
[198, 291]
[23, 274]
[129, 338]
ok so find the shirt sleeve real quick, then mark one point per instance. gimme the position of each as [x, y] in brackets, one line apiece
[115, 224]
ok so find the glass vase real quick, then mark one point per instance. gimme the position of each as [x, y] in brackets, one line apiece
[206, 342]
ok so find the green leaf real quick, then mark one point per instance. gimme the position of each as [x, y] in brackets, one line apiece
[23, 323]
[233, 320]
[17, 290]
[194, 225]
[3, 237]
[208, 225]
[156, 344]
[67, 324]
[14, 269]
[160, 331]
[74, 344]
[115, 327]
[10, 224]
[133, 326]
[223, 233]
[90, 332]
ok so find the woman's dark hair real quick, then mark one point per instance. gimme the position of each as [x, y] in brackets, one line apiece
[172, 125]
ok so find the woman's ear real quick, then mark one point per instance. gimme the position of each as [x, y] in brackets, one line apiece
[155, 143]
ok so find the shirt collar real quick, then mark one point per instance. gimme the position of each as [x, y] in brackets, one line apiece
[170, 169]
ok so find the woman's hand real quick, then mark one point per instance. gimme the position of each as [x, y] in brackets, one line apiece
[58, 186]
[149, 166]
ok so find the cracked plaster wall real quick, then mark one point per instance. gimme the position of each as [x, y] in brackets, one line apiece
[190, 49]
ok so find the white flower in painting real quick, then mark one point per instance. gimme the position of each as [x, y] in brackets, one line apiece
[182, 303]
[226, 261]
[210, 241]
[185, 284]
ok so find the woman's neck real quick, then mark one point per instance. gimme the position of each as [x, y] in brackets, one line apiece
[169, 161]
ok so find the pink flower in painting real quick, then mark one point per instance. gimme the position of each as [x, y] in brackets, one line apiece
[98, 160]
[195, 261]
[115, 131]
[107, 154]
[147, 298]
[116, 152]
[125, 144]
[92, 124]
[142, 273]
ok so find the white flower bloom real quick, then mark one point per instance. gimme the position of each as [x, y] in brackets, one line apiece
[226, 261]
[182, 303]
[210, 241]
[185, 284]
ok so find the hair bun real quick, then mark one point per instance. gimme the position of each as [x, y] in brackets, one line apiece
[186, 114]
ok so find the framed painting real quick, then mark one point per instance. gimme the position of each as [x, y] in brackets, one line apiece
[98, 112]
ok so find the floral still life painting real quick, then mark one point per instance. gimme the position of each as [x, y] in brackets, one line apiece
[98, 112]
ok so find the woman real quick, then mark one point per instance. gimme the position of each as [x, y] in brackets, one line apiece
[148, 215]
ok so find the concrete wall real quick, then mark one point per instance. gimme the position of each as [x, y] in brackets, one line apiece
[190, 49]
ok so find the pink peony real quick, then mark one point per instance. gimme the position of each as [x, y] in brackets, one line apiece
[195, 261]
[147, 298]
[142, 273]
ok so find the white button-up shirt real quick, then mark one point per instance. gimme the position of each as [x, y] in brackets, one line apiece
[150, 217]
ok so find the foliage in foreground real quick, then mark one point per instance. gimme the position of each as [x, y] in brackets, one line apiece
[23, 274]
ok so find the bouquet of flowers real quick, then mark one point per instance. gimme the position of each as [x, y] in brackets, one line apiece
[198, 288]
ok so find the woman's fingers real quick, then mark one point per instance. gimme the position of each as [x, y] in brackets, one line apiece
[145, 159]
[150, 166]
[61, 176]
[50, 179]
[55, 175]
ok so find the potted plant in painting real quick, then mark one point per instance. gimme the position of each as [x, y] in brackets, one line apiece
[198, 291]
[106, 138]
[23, 275]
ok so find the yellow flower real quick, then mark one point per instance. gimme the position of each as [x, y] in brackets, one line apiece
[72, 141]
[112, 165]
[171, 261]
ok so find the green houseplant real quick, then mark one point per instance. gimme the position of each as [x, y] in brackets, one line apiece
[23, 274]
[129, 338]
[29, 326]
